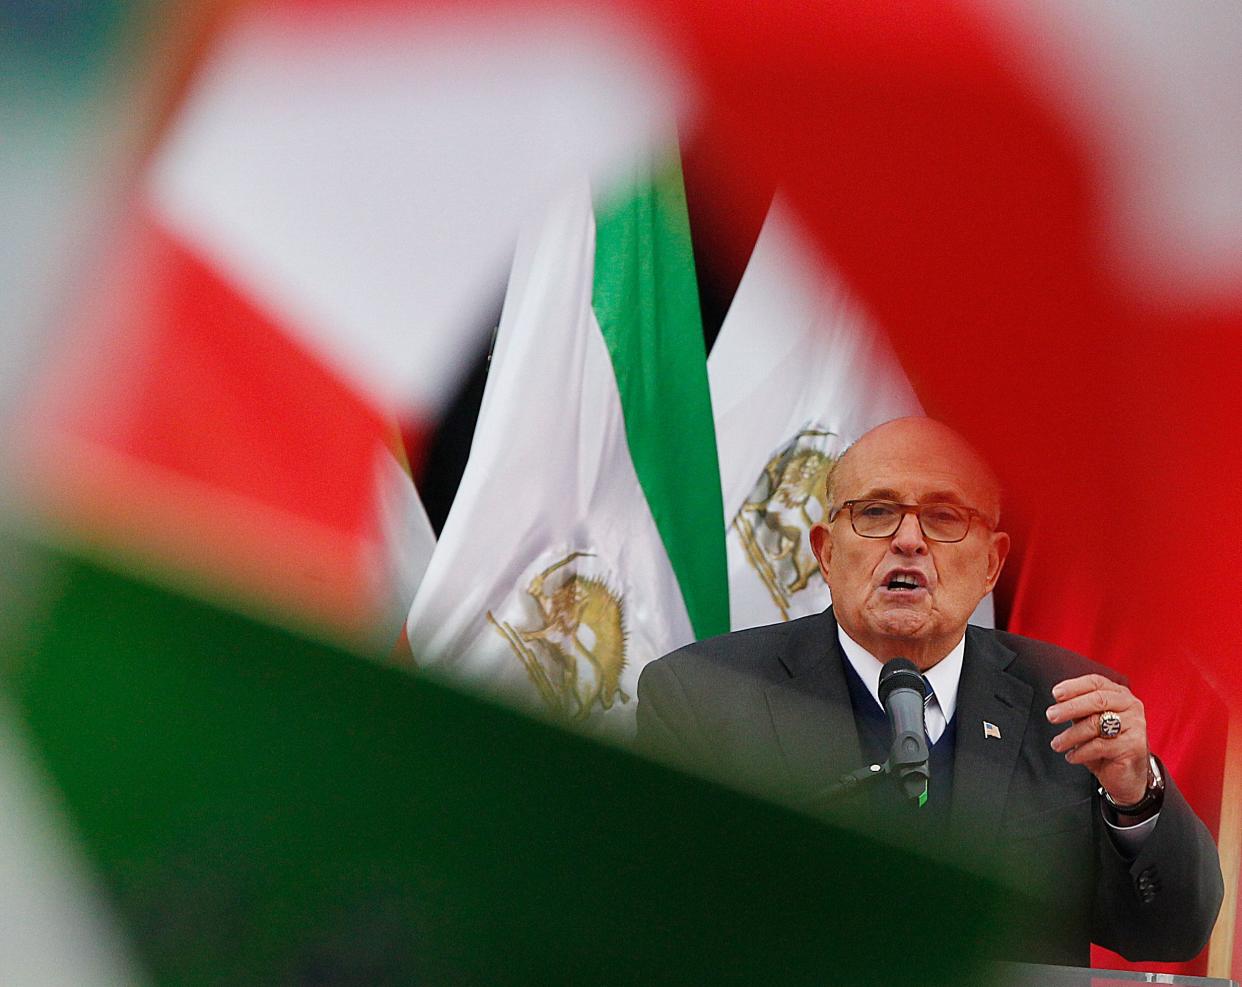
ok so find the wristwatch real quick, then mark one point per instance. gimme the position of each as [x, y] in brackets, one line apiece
[1152, 799]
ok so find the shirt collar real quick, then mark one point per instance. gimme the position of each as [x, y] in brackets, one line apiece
[944, 676]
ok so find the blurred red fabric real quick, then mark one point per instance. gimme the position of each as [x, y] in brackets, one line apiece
[954, 196]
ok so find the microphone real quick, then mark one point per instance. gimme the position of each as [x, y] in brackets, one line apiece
[901, 694]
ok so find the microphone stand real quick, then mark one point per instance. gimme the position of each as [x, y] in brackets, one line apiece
[901, 692]
[849, 785]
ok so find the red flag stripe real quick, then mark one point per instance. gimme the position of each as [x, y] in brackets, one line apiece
[188, 427]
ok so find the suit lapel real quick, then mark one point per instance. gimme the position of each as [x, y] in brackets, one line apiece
[814, 723]
[811, 711]
[983, 765]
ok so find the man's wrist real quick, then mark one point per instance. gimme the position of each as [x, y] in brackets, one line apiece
[1147, 806]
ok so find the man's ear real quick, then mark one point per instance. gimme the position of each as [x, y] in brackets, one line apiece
[821, 545]
[998, 550]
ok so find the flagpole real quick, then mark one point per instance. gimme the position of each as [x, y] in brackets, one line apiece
[1220, 950]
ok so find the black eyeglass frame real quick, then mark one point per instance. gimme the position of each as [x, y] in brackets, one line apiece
[917, 511]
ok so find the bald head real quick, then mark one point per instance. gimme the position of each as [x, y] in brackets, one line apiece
[905, 593]
[919, 443]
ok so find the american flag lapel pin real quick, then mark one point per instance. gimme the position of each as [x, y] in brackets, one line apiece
[991, 730]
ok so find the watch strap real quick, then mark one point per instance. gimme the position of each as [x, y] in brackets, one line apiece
[1153, 797]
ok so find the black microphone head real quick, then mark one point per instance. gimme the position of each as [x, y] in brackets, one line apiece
[899, 673]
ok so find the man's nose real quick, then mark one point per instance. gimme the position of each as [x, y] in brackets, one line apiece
[908, 539]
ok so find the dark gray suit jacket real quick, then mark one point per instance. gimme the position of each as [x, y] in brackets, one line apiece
[768, 710]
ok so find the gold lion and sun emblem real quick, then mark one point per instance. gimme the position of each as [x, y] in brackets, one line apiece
[773, 524]
[574, 650]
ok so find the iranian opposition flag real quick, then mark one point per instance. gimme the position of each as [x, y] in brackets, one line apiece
[584, 540]
[798, 372]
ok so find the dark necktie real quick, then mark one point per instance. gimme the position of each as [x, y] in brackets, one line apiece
[933, 715]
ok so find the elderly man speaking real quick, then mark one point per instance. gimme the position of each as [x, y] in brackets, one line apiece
[1040, 771]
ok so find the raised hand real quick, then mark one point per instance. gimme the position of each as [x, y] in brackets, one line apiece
[1119, 762]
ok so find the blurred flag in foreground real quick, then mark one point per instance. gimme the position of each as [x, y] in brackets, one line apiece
[264, 808]
[583, 543]
[305, 263]
[55, 927]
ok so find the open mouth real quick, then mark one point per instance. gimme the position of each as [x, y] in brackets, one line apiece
[903, 582]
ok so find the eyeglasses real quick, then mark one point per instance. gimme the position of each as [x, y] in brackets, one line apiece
[882, 518]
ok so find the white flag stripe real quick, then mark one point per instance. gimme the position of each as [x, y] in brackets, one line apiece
[364, 177]
[408, 544]
[1155, 89]
[798, 372]
[55, 927]
[794, 348]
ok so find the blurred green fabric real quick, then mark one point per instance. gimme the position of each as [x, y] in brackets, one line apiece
[262, 808]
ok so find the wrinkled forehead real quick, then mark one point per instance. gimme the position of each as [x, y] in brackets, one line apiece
[917, 458]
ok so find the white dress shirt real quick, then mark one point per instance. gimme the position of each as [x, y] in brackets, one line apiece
[943, 678]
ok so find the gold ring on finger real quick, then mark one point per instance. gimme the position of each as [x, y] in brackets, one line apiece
[1110, 724]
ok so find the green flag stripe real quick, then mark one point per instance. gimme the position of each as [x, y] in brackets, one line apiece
[263, 808]
[646, 302]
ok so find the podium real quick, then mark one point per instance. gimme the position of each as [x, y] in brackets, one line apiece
[1036, 975]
